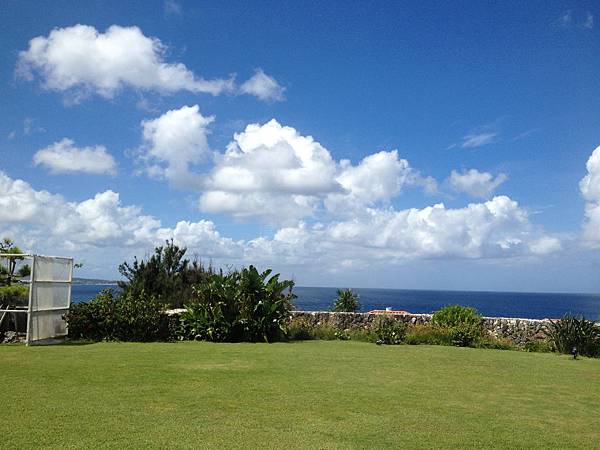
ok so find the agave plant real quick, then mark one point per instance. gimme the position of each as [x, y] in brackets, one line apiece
[572, 331]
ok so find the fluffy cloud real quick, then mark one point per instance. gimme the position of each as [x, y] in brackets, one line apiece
[81, 60]
[43, 219]
[173, 142]
[475, 183]
[498, 228]
[590, 189]
[263, 86]
[494, 229]
[272, 171]
[269, 167]
[63, 157]
[377, 178]
[100, 220]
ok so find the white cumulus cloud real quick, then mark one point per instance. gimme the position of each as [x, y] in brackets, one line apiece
[263, 86]
[102, 225]
[63, 157]
[81, 60]
[476, 183]
[44, 219]
[590, 189]
[377, 178]
[274, 172]
[173, 142]
[498, 228]
[270, 171]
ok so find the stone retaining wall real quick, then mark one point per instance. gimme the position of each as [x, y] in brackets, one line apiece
[517, 330]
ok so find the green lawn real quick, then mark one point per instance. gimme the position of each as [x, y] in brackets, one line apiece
[302, 395]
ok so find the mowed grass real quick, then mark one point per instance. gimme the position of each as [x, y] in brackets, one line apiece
[300, 395]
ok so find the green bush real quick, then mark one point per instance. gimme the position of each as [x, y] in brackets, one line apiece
[243, 305]
[456, 315]
[572, 331]
[462, 324]
[125, 317]
[538, 346]
[300, 330]
[427, 334]
[389, 331]
[346, 301]
[464, 335]
[363, 335]
[494, 343]
[342, 335]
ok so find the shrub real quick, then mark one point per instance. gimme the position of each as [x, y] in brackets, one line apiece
[494, 343]
[389, 331]
[342, 335]
[455, 315]
[572, 331]
[241, 306]
[363, 335]
[126, 317]
[427, 334]
[462, 324]
[299, 330]
[464, 335]
[538, 346]
[346, 301]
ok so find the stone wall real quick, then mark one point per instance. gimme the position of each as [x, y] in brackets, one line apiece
[517, 330]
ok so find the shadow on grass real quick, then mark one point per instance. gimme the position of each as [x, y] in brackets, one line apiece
[73, 342]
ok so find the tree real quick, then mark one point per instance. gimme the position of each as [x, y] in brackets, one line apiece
[346, 301]
[7, 272]
[166, 275]
[10, 294]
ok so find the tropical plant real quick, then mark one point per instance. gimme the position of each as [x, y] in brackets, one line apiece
[166, 274]
[573, 331]
[346, 301]
[244, 305]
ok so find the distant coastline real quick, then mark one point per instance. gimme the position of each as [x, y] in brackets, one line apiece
[93, 281]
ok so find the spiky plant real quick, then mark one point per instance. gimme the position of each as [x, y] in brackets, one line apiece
[346, 301]
[573, 331]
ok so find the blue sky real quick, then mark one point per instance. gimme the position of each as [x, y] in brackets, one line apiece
[380, 144]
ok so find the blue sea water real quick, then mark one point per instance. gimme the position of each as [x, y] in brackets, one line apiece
[496, 304]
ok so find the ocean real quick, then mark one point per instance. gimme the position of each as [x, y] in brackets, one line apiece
[496, 304]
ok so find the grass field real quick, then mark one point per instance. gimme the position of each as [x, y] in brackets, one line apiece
[302, 395]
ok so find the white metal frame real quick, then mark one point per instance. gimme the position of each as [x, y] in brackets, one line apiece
[32, 282]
